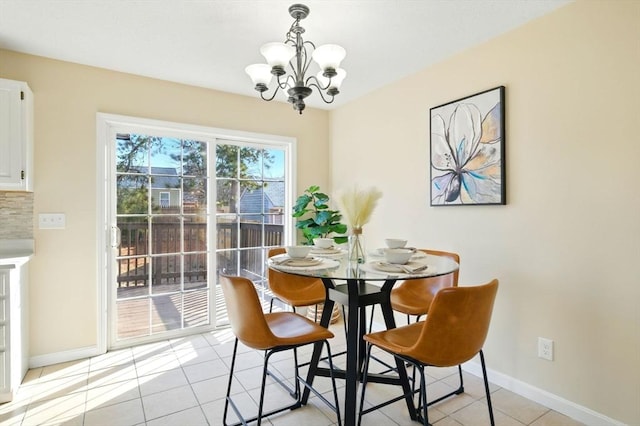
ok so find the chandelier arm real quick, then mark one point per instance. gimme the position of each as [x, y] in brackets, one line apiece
[320, 92]
[286, 83]
[275, 92]
[312, 80]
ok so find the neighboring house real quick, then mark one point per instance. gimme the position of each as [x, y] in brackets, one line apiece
[268, 199]
[165, 185]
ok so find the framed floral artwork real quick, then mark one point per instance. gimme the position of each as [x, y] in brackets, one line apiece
[467, 150]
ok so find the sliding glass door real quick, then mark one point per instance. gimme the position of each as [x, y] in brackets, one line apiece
[181, 207]
[163, 217]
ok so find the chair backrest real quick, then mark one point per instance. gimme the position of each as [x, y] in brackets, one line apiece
[432, 285]
[280, 283]
[245, 312]
[457, 325]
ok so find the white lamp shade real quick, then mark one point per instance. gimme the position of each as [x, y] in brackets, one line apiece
[329, 56]
[259, 73]
[277, 54]
[336, 81]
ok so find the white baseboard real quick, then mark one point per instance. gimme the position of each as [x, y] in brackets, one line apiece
[549, 400]
[66, 356]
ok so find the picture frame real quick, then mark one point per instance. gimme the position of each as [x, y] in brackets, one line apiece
[467, 150]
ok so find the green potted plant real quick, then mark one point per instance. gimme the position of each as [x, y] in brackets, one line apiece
[316, 219]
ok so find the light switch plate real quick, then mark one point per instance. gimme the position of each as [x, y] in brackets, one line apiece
[51, 221]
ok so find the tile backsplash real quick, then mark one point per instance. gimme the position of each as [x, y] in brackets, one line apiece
[16, 215]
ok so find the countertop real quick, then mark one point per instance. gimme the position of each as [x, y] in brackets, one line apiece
[15, 252]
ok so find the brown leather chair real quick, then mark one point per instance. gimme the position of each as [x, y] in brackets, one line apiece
[454, 332]
[414, 297]
[294, 290]
[272, 332]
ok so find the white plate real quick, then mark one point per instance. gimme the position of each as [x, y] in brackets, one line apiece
[298, 262]
[380, 253]
[284, 262]
[387, 267]
[320, 251]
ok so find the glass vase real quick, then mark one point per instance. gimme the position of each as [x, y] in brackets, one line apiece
[356, 246]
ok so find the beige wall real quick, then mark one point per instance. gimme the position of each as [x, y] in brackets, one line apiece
[566, 248]
[67, 97]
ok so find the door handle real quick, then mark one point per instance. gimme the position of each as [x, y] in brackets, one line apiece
[116, 237]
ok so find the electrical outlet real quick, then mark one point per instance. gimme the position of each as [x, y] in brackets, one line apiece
[545, 348]
[51, 221]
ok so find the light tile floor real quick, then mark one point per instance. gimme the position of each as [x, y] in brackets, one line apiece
[183, 382]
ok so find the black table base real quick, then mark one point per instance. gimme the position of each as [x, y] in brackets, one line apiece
[356, 295]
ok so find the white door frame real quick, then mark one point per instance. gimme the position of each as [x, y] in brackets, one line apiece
[108, 125]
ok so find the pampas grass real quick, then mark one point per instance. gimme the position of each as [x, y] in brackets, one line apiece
[357, 205]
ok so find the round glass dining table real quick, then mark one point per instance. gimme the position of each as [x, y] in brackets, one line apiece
[356, 286]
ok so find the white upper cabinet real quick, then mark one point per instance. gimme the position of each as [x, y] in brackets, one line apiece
[16, 136]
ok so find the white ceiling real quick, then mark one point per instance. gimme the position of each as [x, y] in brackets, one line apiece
[208, 43]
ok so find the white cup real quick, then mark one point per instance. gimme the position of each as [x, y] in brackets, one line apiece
[398, 255]
[298, 252]
[395, 243]
[324, 243]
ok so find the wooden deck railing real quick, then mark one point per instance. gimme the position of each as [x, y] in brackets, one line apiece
[237, 246]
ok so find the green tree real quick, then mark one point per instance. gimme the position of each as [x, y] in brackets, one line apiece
[237, 169]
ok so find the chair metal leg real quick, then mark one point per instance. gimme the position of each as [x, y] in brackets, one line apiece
[486, 387]
[310, 388]
[373, 308]
[227, 397]
[461, 387]
[423, 396]
[261, 413]
[333, 383]
[264, 381]
[364, 382]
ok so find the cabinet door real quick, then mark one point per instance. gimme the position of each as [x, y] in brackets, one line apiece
[13, 134]
[5, 359]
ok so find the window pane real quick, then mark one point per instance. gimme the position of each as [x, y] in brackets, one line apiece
[195, 234]
[133, 318]
[227, 261]
[252, 201]
[165, 234]
[166, 313]
[250, 234]
[273, 164]
[165, 153]
[133, 276]
[251, 163]
[194, 158]
[195, 271]
[132, 194]
[196, 308]
[226, 231]
[226, 195]
[165, 183]
[252, 263]
[132, 153]
[194, 197]
[226, 161]
[166, 275]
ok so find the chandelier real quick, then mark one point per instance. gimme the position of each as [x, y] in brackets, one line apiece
[298, 54]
